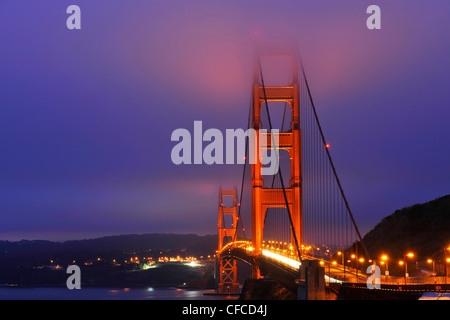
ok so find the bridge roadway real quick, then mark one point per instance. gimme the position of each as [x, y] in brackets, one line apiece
[286, 271]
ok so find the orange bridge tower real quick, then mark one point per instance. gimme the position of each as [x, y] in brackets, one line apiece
[227, 278]
[264, 198]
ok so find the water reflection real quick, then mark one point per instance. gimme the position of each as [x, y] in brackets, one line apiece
[144, 293]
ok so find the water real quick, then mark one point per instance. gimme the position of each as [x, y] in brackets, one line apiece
[147, 293]
[435, 296]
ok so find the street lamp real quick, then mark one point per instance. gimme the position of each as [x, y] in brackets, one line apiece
[339, 253]
[384, 258]
[447, 261]
[354, 265]
[402, 263]
[353, 257]
[411, 255]
[405, 262]
[431, 261]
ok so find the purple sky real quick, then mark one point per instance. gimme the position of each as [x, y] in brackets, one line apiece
[86, 116]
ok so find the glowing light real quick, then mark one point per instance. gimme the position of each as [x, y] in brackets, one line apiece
[430, 261]
[327, 278]
[146, 267]
[290, 262]
[193, 263]
[327, 145]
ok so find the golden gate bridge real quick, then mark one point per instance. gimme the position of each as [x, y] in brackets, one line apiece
[295, 226]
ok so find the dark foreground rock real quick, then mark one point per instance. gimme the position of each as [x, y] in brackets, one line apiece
[264, 289]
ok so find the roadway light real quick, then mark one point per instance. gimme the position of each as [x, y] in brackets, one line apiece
[434, 268]
[405, 263]
[447, 260]
[410, 255]
[385, 259]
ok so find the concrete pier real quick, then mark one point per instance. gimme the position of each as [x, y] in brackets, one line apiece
[312, 283]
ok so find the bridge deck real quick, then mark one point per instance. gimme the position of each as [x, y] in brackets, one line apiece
[285, 270]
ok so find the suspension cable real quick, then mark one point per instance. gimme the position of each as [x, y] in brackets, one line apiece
[331, 162]
[243, 179]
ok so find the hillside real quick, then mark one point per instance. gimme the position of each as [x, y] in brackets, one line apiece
[109, 261]
[29, 252]
[421, 228]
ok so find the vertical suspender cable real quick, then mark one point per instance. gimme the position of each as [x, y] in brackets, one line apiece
[243, 179]
[332, 165]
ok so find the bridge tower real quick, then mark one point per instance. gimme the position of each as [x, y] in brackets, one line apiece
[262, 197]
[227, 277]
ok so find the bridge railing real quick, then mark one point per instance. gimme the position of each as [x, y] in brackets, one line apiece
[399, 280]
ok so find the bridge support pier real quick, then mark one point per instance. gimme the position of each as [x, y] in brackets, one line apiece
[312, 283]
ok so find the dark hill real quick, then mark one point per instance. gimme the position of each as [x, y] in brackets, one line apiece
[422, 228]
[33, 251]
[43, 263]
[140, 242]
